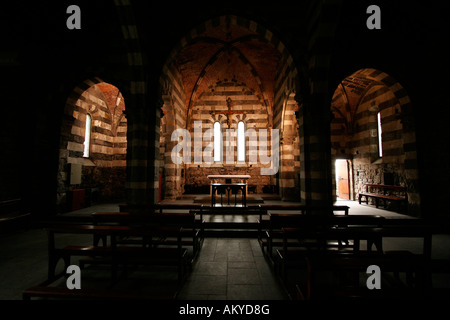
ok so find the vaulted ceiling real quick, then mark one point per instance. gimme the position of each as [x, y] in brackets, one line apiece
[228, 52]
[355, 87]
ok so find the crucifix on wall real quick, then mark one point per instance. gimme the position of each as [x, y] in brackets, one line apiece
[229, 112]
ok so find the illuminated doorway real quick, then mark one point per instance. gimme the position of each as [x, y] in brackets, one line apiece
[343, 181]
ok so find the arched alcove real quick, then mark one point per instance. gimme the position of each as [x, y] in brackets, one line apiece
[92, 155]
[229, 69]
[364, 104]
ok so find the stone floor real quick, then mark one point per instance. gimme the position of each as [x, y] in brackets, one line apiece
[226, 268]
[231, 269]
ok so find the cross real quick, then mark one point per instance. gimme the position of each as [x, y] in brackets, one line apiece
[229, 112]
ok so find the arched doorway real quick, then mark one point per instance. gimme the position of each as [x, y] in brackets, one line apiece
[93, 147]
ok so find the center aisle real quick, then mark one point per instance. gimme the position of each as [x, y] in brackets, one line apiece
[231, 269]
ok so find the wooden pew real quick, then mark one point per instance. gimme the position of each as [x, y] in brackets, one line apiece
[268, 238]
[218, 221]
[116, 253]
[63, 293]
[317, 257]
[415, 267]
[270, 230]
[248, 210]
[173, 208]
[326, 234]
[160, 207]
[187, 222]
[306, 209]
[402, 277]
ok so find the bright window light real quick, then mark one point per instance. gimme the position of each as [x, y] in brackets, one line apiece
[380, 136]
[217, 142]
[87, 136]
[241, 142]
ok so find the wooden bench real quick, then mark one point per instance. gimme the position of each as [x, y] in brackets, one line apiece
[191, 234]
[267, 236]
[217, 224]
[63, 293]
[306, 209]
[318, 256]
[360, 227]
[384, 193]
[332, 234]
[270, 230]
[248, 210]
[158, 208]
[402, 276]
[116, 253]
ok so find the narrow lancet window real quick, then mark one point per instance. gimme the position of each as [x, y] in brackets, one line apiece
[217, 142]
[241, 141]
[87, 137]
[380, 136]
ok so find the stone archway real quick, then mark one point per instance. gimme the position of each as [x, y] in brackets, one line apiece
[355, 106]
[228, 57]
[100, 175]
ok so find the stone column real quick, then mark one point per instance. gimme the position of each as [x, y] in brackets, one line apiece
[288, 190]
[137, 156]
[316, 173]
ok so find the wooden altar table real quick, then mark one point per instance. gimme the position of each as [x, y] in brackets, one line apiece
[227, 188]
[229, 177]
[242, 178]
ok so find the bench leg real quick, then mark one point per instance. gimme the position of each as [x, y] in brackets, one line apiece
[361, 199]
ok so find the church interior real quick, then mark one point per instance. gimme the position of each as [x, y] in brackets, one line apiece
[234, 114]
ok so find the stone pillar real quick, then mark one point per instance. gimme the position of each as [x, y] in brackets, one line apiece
[137, 156]
[288, 190]
[316, 173]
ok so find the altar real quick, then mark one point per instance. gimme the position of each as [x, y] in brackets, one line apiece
[228, 183]
[229, 178]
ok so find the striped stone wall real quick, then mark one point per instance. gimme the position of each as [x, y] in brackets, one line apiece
[289, 173]
[173, 117]
[251, 110]
[354, 136]
[271, 113]
[313, 116]
[105, 167]
[286, 120]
